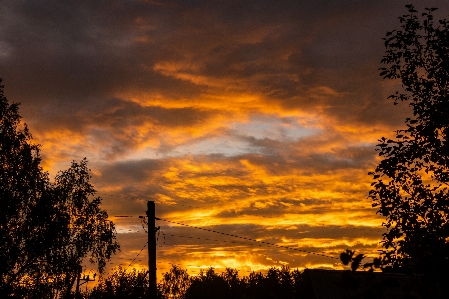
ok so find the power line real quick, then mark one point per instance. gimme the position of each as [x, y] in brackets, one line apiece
[376, 229]
[249, 239]
[361, 228]
[244, 238]
[136, 256]
[206, 239]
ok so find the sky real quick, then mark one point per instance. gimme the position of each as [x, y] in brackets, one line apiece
[257, 119]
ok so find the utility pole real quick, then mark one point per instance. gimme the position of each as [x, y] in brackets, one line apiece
[151, 215]
[86, 279]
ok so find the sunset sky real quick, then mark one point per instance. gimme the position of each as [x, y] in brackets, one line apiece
[252, 118]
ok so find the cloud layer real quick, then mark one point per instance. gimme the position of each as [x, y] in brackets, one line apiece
[254, 118]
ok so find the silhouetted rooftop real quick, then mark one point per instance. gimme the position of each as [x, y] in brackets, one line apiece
[338, 284]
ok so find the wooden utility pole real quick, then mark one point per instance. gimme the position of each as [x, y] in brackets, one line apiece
[86, 279]
[151, 214]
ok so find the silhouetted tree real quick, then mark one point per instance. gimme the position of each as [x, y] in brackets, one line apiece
[276, 284]
[348, 257]
[410, 185]
[122, 284]
[46, 229]
[174, 284]
[237, 286]
[208, 285]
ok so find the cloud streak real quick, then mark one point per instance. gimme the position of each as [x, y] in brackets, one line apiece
[257, 118]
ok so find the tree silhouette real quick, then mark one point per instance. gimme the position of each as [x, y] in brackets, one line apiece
[410, 185]
[46, 229]
[348, 257]
[174, 283]
[206, 285]
[122, 284]
[276, 284]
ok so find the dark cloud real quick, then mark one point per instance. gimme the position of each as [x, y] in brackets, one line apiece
[64, 57]
[146, 89]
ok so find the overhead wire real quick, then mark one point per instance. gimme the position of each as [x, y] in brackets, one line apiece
[364, 228]
[136, 256]
[235, 236]
[377, 229]
[250, 239]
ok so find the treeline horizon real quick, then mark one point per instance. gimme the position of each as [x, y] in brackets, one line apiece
[177, 283]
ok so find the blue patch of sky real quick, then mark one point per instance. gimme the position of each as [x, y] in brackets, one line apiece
[234, 141]
[269, 127]
[225, 145]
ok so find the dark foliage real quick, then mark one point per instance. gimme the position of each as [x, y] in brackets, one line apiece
[208, 284]
[277, 283]
[175, 283]
[46, 229]
[121, 285]
[410, 187]
[348, 257]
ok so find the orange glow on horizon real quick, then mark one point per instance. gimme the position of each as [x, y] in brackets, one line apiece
[262, 124]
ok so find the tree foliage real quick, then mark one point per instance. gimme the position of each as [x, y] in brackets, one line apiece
[276, 283]
[410, 187]
[46, 229]
[347, 257]
[174, 283]
[122, 284]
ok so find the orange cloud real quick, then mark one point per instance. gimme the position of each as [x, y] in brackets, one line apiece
[258, 119]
